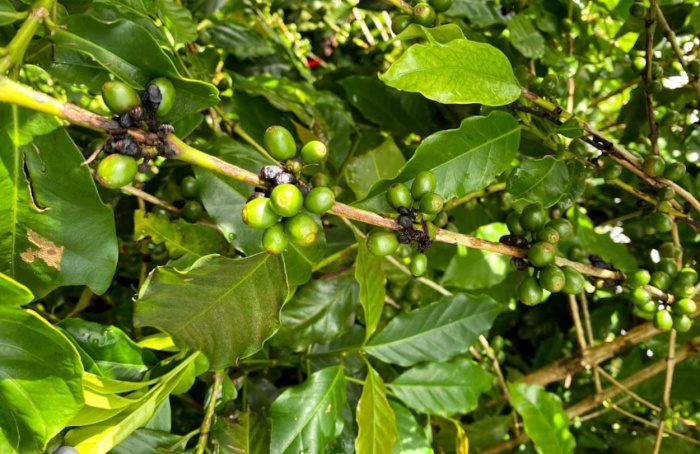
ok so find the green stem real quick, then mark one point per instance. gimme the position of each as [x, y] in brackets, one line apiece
[467, 198]
[402, 5]
[340, 255]
[219, 376]
[18, 46]
[244, 135]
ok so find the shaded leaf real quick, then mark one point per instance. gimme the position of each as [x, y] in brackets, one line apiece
[544, 419]
[370, 275]
[542, 180]
[240, 41]
[305, 418]
[464, 160]
[381, 163]
[178, 20]
[299, 261]
[223, 307]
[7, 13]
[436, 332]
[248, 434]
[375, 418]
[319, 312]
[441, 34]
[41, 192]
[41, 388]
[525, 37]
[442, 388]
[571, 129]
[458, 72]
[410, 437]
[147, 441]
[481, 13]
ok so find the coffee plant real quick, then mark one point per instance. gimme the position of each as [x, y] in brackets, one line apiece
[373, 226]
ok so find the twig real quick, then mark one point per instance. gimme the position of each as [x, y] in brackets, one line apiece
[340, 255]
[651, 424]
[402, 5]
[589, 335]
[666, 398]
[612, 93]
[150, 198]
[209, 414]
[456, 201]
[501, 381]
[363, 26]
[14, 52]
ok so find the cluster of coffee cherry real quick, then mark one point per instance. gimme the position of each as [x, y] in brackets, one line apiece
[277, 206]
[424, 13]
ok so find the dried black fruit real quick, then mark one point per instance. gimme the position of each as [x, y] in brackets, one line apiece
[406, 222]
[270, 172]
[285, 178]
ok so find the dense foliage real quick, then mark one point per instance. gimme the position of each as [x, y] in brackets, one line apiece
[327, 226]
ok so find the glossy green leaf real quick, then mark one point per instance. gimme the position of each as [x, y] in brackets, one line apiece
[481, 13]
[101, 438]
[381, 163]
[436, 332]
[13, 293]
[458, 72]
[299, 260]
[178, 20]
[41, 389]
[240, 41]
[442, 33]
[375, 418]
[410, 437]
[319, 312]
[43, 189]
[138, 11]
[442, 388]
[7, 13]
[576, 185]
[571, 128]
[398, 112]
[180, 237]
[116, 355]
[101, 407]
[370, 275]
[147, 441]
[542, 180]
[223, 307]
[248, 434]
[305, 418]
[525, 37]
[464, 160]
[135, 61]
[472, 269]
[544, 419]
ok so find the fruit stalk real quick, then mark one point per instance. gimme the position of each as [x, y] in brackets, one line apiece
[17, 47]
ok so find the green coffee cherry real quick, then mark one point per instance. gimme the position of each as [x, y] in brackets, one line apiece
[650, 307]
[577, 254]
[682, 290]
[301, 229]
[530, 292]
[657, 71]
[548, 87]
[668, 266]
[666, 193]
[669, 250]
[441, 6]
[441, 219]
[431, 203]
[119, 97]
[661, 280]
[684, 306]
[419, 264]
[319, 200]
[655, 87]
[687, 276]
[682, 323]
[693, 68]
[424, 183]
[192, 211]
[424, 14]
[258, 214]
[382, 243]
[566, 25]
[294, 166]
[116, 170]
[661, 222]
[279, 142]
[398, 195]
[663, 320]
[611, 172]
[674, 171]
[313, 152]
[640, 296]
[578, 147]
[167, 91]
[638, 278]
[189, 187]
[654, 165]
[533, 217]
[321, 179]
[574, 280]
[275, 240]
[513, 223]
[286, 200]
[400, 23]
[548, 234]
[552, 278]
[541, 254]
[562, 226]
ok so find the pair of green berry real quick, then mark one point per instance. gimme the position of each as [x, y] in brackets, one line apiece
[533, 221]
[192, 210]
[280, 143]
[552, 279]
[429, 203]
[553, 86]
[656, 166]
[424, 13]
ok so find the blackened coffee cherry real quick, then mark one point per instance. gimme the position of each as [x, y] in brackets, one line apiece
[280, 143]
[286, 200]
[319, 200]
[424, 183]
[116, 170]
[269, 173]
[167, 95]
[301, 229]
[519, 264]
[313, 152]
[406, 222]
[258, 214]
[119, 97]
[275, 240]
[285, 178]
[382, 243]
